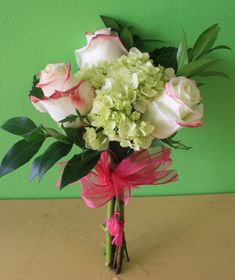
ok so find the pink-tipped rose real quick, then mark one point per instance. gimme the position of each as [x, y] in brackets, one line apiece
[63, 94]
[178, 106]
[104, 45]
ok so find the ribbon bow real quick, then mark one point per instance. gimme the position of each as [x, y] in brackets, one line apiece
[140, 168]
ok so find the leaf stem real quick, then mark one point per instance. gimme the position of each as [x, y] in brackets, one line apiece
[108, 243]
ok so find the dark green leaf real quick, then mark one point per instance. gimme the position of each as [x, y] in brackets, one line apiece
[119, 152]
[205, 41]
[110, 22]
[76, 135]
[214, 73]
[165, 56]
[51, 132]
[182, 55]
[19, 125]
[69, 119]
[44, 162]
[175, 144]
[35, 134]
[196, 67]
[79, 166]
[219, 47]
[126, 37]
[35, 91]
[18, 155]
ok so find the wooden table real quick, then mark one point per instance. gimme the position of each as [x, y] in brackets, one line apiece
[169, 238]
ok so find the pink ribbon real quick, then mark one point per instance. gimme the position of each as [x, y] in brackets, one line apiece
[115, 228]
[140, 168]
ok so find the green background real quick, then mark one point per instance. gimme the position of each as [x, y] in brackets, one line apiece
[34, 33]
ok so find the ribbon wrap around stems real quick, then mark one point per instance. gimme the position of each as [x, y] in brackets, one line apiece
[115, 228]
[140, 168]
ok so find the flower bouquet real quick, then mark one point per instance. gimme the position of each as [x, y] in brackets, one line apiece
[122, 110]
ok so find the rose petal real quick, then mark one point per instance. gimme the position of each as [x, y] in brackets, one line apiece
[101, 47]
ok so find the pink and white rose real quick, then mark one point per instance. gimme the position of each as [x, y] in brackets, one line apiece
[56, 77]
[63, 94]
[104, 45]
[178, 106]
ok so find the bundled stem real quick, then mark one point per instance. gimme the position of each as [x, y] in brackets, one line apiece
[108, 243]
[115, 254]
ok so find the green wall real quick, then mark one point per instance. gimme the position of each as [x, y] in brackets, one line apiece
[34, 33]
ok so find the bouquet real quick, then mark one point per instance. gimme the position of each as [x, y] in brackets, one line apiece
[122, 110]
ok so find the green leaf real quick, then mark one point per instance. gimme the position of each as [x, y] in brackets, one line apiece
[165, 56]
[35, 91]
[19, 125]
[20, 153]
[126, 37]
[44, 162]
[76, 135]
[175, 144]
[205, 41]
[214, 73]
[196, 67]
[110, 22]
[51, 132]
[35, 134]
[69, 119]
[79, 166]
[219, 47]
[182, 54]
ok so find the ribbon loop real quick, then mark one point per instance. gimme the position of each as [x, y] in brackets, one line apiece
[140, 168]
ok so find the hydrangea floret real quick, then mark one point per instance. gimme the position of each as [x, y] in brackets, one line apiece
[124, 89]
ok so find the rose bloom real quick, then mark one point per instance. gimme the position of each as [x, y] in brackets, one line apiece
[104, 45]
[63, 94]
[178, 106]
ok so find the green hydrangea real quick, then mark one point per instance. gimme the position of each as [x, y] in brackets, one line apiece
[124, 89]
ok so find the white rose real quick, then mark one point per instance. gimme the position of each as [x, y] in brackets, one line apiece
[56, 77]
[104, 45]
[178, 106]
[66, 97]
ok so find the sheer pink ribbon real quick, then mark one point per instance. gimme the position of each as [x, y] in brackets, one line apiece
[115, 228]
[140, 168]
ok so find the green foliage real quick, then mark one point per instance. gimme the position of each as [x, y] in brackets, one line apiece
[76, 136]
[51, 132]
[43, 163]
[19, 126]
[219, 47]
[35, 91]
[205, 41]
[197, 64]
[19, 154]
[197, 67]
[70, 119]
[182, 55]
[35, 134]
[79, 166]
[165, 56]
[110, 22]
[175, 144]
[127, 36]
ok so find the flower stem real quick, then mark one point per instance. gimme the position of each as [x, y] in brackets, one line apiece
[108, 243]
[119, 251]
